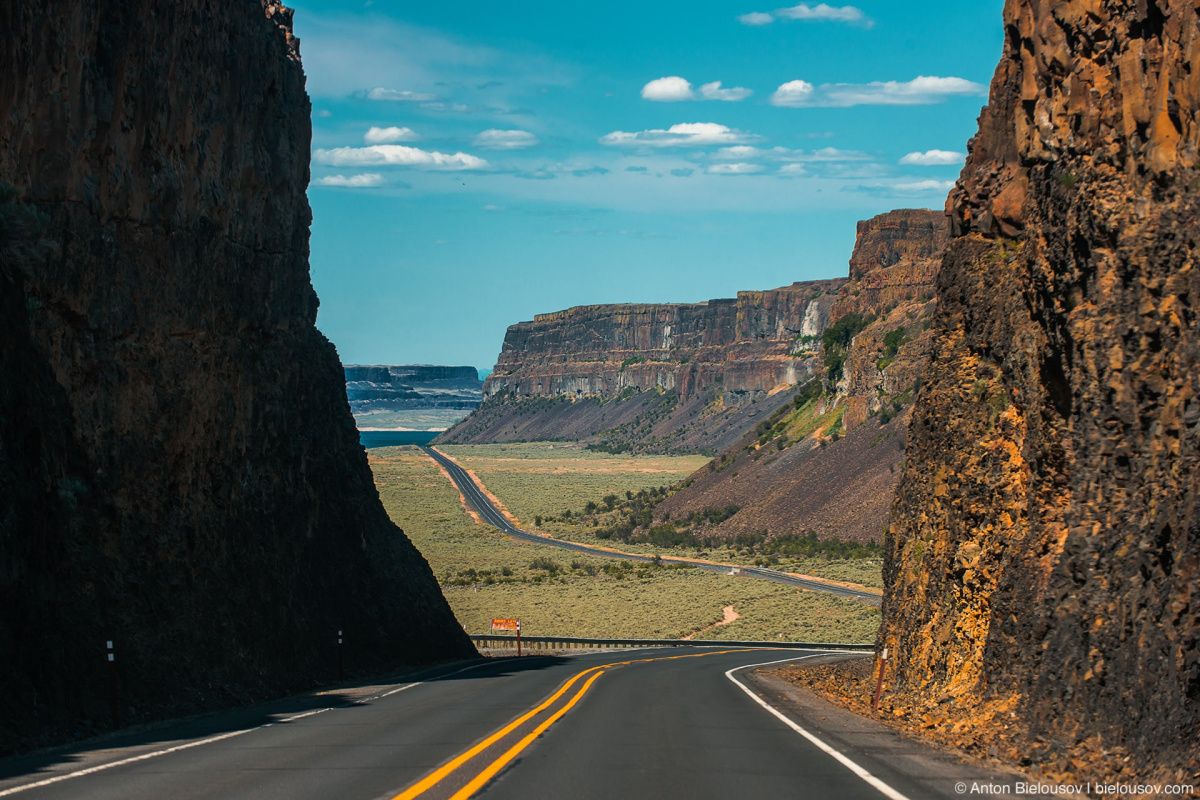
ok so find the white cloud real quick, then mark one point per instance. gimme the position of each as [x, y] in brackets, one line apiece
[395, 96]
[922, 187]
[687, 134]
[823, 12]
[389, 135]
[756, 18]
[793, 169]
[825, 154]
[363, 181]
[324, 113]
[495, 139]
[738, 153]
[713, 91]
[934, 158]
[673, 89]
[923, 90]
[735, 169]
[395, 155]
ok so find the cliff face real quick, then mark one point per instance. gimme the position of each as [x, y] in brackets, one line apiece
[1045, 539]
[180, 471]
[651, 377]
[791, 474]
[745, 346]
[895, 262]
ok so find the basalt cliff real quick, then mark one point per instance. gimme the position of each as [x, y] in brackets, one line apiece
[179, 470]
[1043, 568]
[827, 463]
[651, 378]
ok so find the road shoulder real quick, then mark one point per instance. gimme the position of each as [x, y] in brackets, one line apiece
[912, 767]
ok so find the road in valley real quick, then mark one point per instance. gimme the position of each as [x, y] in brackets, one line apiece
[652, 724]
[492, 516]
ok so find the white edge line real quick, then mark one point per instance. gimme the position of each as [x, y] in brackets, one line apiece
[146, 756]
[883, 788]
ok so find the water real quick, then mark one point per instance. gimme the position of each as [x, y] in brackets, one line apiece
[371, 439]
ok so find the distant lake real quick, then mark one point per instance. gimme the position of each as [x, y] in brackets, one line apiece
[371, 439]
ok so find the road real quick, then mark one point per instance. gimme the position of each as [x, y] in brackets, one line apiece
[636, 724]
[489, 514]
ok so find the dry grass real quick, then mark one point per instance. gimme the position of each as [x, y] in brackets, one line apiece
[559, 593]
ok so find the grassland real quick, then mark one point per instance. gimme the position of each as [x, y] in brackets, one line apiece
[540, 482]
[545, 479]
[486, 575]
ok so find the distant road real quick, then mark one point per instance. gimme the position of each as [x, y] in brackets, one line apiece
[687, 722]
[488, 512]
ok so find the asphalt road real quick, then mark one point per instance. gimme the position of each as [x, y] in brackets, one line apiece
[488, 512]
[666, 723]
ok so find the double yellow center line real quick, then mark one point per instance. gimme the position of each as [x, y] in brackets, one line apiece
[491, 770]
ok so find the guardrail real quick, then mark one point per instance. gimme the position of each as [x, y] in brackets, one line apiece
[580, 642]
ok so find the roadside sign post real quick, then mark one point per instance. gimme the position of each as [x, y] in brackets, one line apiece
[341, 675]
[112, 686]
[879, 683]
[509, 625]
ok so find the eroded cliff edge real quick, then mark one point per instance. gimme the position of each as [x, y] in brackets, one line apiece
[179, 469]
[1045, 540]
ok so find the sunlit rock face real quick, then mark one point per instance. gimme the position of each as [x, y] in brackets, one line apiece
[179, 470]
[1045, 539]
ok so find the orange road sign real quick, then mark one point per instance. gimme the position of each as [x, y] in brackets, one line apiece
[506, 624]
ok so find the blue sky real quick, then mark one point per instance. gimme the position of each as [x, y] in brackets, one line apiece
[477, 163]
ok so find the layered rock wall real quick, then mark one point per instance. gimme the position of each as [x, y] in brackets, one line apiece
[745, 346]
[1045, 539]
[180, 470]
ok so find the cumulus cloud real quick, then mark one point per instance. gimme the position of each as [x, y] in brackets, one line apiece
[793, 169]
[364, 181]
[389, 135]
[672, 89]
[675, 89]
[934, 158]
[756, 18]
[495, 139]
[922, 90]
[687, 134]
[735, 169]
[713, 91]
[823, 12]
[396, 96]
[395, 155]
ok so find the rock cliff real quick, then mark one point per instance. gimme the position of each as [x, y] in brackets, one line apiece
[651, 377]
[827, 464]
[1044, 558]
[179, 470]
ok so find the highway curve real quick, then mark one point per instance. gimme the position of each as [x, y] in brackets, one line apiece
[653, 724]
[488, 512]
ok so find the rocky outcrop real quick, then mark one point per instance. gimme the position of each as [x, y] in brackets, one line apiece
[1044, 560]
[179, 471]
[668, 377]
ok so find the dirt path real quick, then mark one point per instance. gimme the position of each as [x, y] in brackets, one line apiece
[730, 616]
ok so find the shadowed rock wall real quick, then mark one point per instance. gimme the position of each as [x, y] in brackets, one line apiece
[180, 470]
